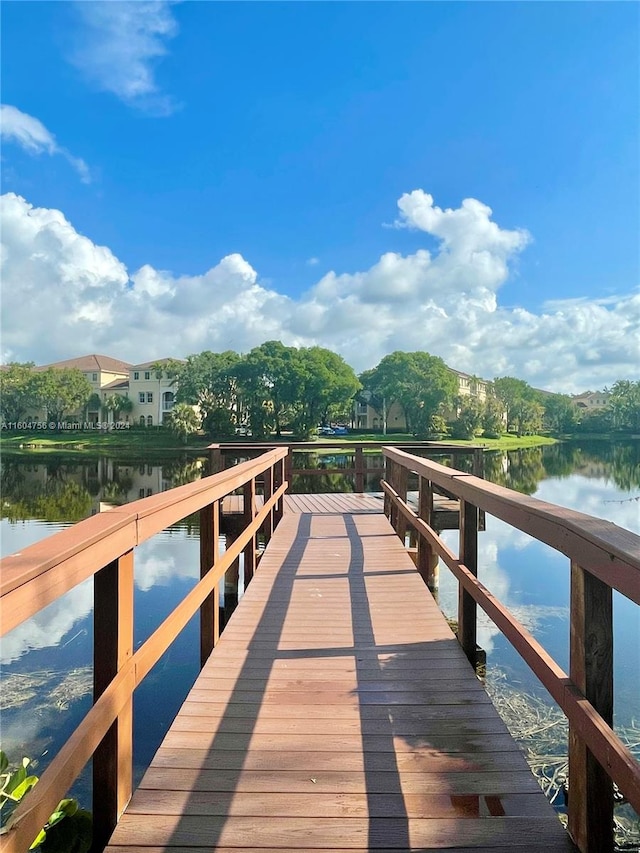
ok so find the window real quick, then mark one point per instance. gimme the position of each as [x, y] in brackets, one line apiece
[141, 468]
[149, 396]
[149, 420]
[147, 374]
[141, 420]
[94, 377]
[149, 492]
[141, 397]
[136, 375]
[141, 493]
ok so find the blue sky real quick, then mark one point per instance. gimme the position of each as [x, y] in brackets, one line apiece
[182, 176]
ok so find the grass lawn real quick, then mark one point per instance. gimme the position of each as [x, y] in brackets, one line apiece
[103, 442]
[145, 441]
[505, 442]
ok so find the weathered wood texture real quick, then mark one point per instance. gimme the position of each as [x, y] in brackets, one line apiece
[337, 712]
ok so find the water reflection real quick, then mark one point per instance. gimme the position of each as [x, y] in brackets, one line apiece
[68, 489]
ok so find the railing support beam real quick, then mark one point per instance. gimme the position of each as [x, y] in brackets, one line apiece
[278, 479]
[359, 470]
[249, 492]
[112, 648]
[591, 670]
[427, 558]
[209, 555]
[267, 527]
[467, 615]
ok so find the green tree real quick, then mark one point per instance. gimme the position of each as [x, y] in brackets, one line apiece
[271, 382]
[327, 385]
[208, 380]
[18, 391]
[624, 405]
[527, 417]
[184, 421]
[421, 383]
[62, 391]
[560, 414]
[118, 404]
[493, 423]
[512, 392]
[468, 424]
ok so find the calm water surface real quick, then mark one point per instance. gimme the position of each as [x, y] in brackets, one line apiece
[47, 663]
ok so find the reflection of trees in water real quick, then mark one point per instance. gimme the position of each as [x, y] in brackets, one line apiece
[523, 470]
[615, 460]
[520, 470]
[182, 471]
[65, 489]
[115, 491]
[319, 484]
[50, 495]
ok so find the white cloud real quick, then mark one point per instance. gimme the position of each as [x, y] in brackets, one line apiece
[118, 46]
[444, 301]
[33, 136]
[312, 262]
[47, 628]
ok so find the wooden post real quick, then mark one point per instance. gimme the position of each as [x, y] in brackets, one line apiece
[249, 492]
[478, 462]
[231, 580]
[388, 476]
[359, 470]
[278, 480]
[468, 556]
[288, 468]
[112, 648]
[427, 558]
[591, 670]
[209, 554]
[393, 482]
[216, 462]
[402, 483]
[267, 527]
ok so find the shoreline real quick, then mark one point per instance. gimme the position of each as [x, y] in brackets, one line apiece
[143, 442]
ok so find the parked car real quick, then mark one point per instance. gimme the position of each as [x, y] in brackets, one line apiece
[242, 430]
[340, 430]
[326, 430]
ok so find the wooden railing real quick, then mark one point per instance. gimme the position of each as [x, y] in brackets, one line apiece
[103, 546]
[359, 469]
[603, 557]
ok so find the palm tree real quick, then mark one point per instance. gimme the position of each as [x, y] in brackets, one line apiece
[117, 404]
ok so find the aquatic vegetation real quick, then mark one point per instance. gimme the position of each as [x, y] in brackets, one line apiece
[541, 730]
[15, 784]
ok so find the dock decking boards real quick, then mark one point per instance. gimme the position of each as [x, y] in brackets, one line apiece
[337, 712]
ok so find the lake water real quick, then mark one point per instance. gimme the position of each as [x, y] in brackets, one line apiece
[47, 663]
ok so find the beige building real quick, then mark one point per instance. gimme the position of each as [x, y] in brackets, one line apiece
[591, 400]
[366, 417]
[152, 392]
[149, 386]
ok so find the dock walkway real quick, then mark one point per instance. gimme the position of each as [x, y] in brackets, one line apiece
[337, 712]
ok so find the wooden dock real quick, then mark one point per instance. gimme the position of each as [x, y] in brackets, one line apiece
[446, 511]
[337, 712]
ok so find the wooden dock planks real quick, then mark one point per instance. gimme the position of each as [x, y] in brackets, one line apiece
[337, 712]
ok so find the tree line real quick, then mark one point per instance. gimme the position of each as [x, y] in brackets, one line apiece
[276, 388]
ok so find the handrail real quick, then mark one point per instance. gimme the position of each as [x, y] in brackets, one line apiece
[102, 546]
[359, 468]
[603, 557]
